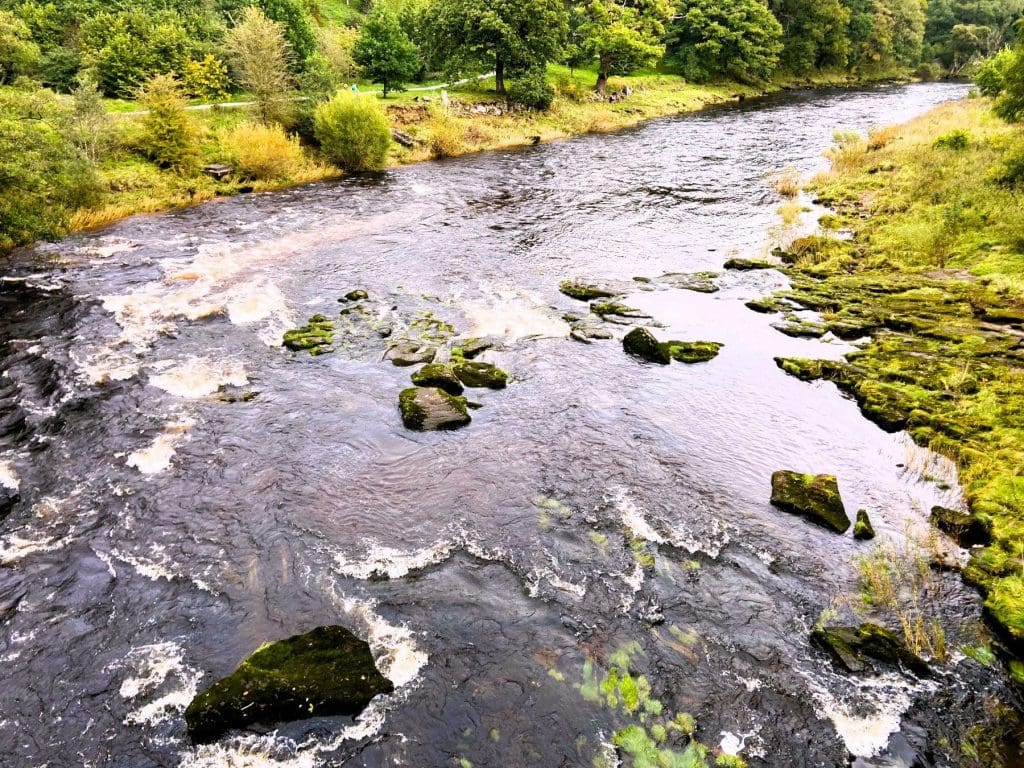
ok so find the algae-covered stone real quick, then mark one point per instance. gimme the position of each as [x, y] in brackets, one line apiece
[328, 671]
[480, 375]
[438, 375]
[410, 353]
[357, 295]
[607, 308]
[471, 348]
[693, 351]
[852, 647]
[641, 343]
[576, 289]
[748, 265]
[966, 529]
[316, 337]
[863, 529]
[815, 497]
[426, 409]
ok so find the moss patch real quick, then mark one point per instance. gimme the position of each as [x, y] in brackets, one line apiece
[316, 337]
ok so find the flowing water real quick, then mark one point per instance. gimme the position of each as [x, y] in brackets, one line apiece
[596, 505]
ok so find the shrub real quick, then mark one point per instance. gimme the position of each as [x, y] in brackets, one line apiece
[990, 75]
[1011, 172]
[169, 137]
[207, 79]
[1010, 104]
[956, 140]
[353, 132]
[447, 136]
[928, 71]
[261, 151]
[46, 179]
[532, 89]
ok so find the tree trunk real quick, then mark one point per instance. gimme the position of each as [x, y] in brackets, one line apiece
[602, 80]
[499, 75]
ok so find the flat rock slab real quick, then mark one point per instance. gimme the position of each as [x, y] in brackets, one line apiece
[815, 497]
[855, 647]
[328, 671]
[439, 376]
[410, 353]
[426, 409]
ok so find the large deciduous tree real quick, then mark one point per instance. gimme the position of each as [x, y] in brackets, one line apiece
[384, 50]
[514, 35]
[725, 38]
[623, 36]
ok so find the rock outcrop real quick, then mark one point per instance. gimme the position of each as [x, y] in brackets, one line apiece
[815, 497]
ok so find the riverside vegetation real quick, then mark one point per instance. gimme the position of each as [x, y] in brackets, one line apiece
[931, 277]
[75, 75]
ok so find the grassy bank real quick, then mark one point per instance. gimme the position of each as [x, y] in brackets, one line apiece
[477, 120]
[934, 274]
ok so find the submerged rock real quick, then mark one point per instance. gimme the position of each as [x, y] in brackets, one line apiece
[328, 671]
[641, 343]
[427, 409]
[576, 289]
[852, 647]
[607, 308]
[748, 265]
[439, 376]
[357, 295]
[480, 375]
[863, 529]
[815, 497]
[693, 351]
[964, 528]
[410, 353]
[316, 337]
[701, 282]
[471, 348]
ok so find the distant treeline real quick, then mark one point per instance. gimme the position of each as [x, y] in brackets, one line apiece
[124, 42]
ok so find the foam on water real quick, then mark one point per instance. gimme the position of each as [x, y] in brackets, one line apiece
[198, 377]
[637, 524]
[8, 477]
[157, 456]
[514, 315]
[160, 678]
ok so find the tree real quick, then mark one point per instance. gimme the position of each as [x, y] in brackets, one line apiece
[1010, 105]
[509, 34]
[43, 177]
[384, 50]
[725, 38]
[18, 54]
[169, 137]
[814, 34]
[260, 55]
[622, 37]
[908, 30]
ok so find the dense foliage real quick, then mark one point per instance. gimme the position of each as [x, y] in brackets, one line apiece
[353, 132]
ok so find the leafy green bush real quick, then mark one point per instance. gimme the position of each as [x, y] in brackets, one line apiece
[261, 151]
[1010, 104]
[18, 54]
[45, 178]
[956, 140]
[207, 79]
[129, 47]
[532, 89]
[353, 132]
[991, 73]
[169, 137]
[1011, 172]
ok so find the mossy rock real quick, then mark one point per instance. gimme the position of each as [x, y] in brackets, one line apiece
[802, 329]
[576, 289]
[699, 282]
[357, 295]
[963, 527]
[748, 265]
[328, 671]
[862, 529]
[815, 497]
[852, 647]
[438, 375]
[693, 351]
[409, 353]
[606, 308]
[641, 343]
[471, 348]
[765, 306]
[426, 409]
[477, 375]
[316, 337]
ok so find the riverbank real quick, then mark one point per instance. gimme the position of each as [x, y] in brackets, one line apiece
[477, 120]
[932, 274]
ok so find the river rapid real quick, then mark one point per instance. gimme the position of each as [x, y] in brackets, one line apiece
[169, 522]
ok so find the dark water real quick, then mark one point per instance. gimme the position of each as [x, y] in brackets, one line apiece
[162, 534]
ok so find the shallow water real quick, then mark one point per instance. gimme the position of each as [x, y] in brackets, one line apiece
[162, 534]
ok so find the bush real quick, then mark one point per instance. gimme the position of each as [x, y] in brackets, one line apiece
[353, 132]
[169, 137]
[262, 151]
[928, 71]
[447, 136]
[532, 89]
[990, 75]
[1011, 172]
[46, 179]
[1010, 104]
[207, 79]
[955, 140]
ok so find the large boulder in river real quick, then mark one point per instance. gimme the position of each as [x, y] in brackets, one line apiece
[426, 409]
[328, 671]
[480, 375]
[641, 343]
[581, 291]
[855, 647]
[409, 353]
[438, 375]
[815, 497]
[963, 527]
[691, 352]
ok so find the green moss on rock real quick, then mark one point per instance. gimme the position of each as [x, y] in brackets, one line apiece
[862, 529]
[748, 265]
[427, 409]
[438, 375]
[316, 337]
[576, 289]
[328, 671]
[477, 375]
[693, 351]
[854, 647]
[641, 343]
[815, 497]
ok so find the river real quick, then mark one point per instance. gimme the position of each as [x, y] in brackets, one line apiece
[596, 505]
